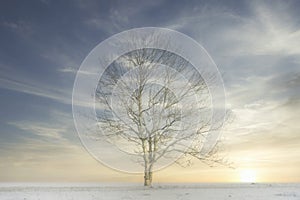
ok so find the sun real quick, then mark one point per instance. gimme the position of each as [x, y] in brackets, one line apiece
[247, 176]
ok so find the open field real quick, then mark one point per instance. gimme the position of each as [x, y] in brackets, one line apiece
[163, 191]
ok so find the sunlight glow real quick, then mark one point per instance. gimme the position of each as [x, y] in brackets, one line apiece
[247, 176]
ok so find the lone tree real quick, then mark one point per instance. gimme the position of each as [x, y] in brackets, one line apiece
[155, 105]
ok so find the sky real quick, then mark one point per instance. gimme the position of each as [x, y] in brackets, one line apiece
[255, 44]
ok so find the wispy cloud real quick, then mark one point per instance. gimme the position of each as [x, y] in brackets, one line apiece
[265, 30]
[270, 31]
[37, 90]
[55, 93]
[254, 43]
[14, 80]
[52, 134]
[20, 27]
[73, 70]
[41, 130]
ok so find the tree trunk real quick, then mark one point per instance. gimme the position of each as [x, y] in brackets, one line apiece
[148, 178]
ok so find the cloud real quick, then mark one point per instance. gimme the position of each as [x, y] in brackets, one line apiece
[286, 85]
[257, 52]
[35, 89]
[265, 126]
[118, 17]
[18, 82]
[15, 80]
[41, 130]
[49, 136]
[255, 45]
[21, 27]
[73, 70]
[19, 86]
[267, 33]
[264, 30]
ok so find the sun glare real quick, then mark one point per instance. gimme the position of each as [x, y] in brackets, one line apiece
[247, 176]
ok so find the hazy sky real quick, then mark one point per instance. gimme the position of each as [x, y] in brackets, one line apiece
[255, 44]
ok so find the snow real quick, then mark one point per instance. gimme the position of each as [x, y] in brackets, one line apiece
[97, 191]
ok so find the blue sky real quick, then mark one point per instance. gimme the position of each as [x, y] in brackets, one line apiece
[255, 44]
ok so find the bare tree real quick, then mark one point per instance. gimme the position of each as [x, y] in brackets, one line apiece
[155, 105]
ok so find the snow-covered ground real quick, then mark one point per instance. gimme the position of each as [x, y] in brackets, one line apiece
[163, 191]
